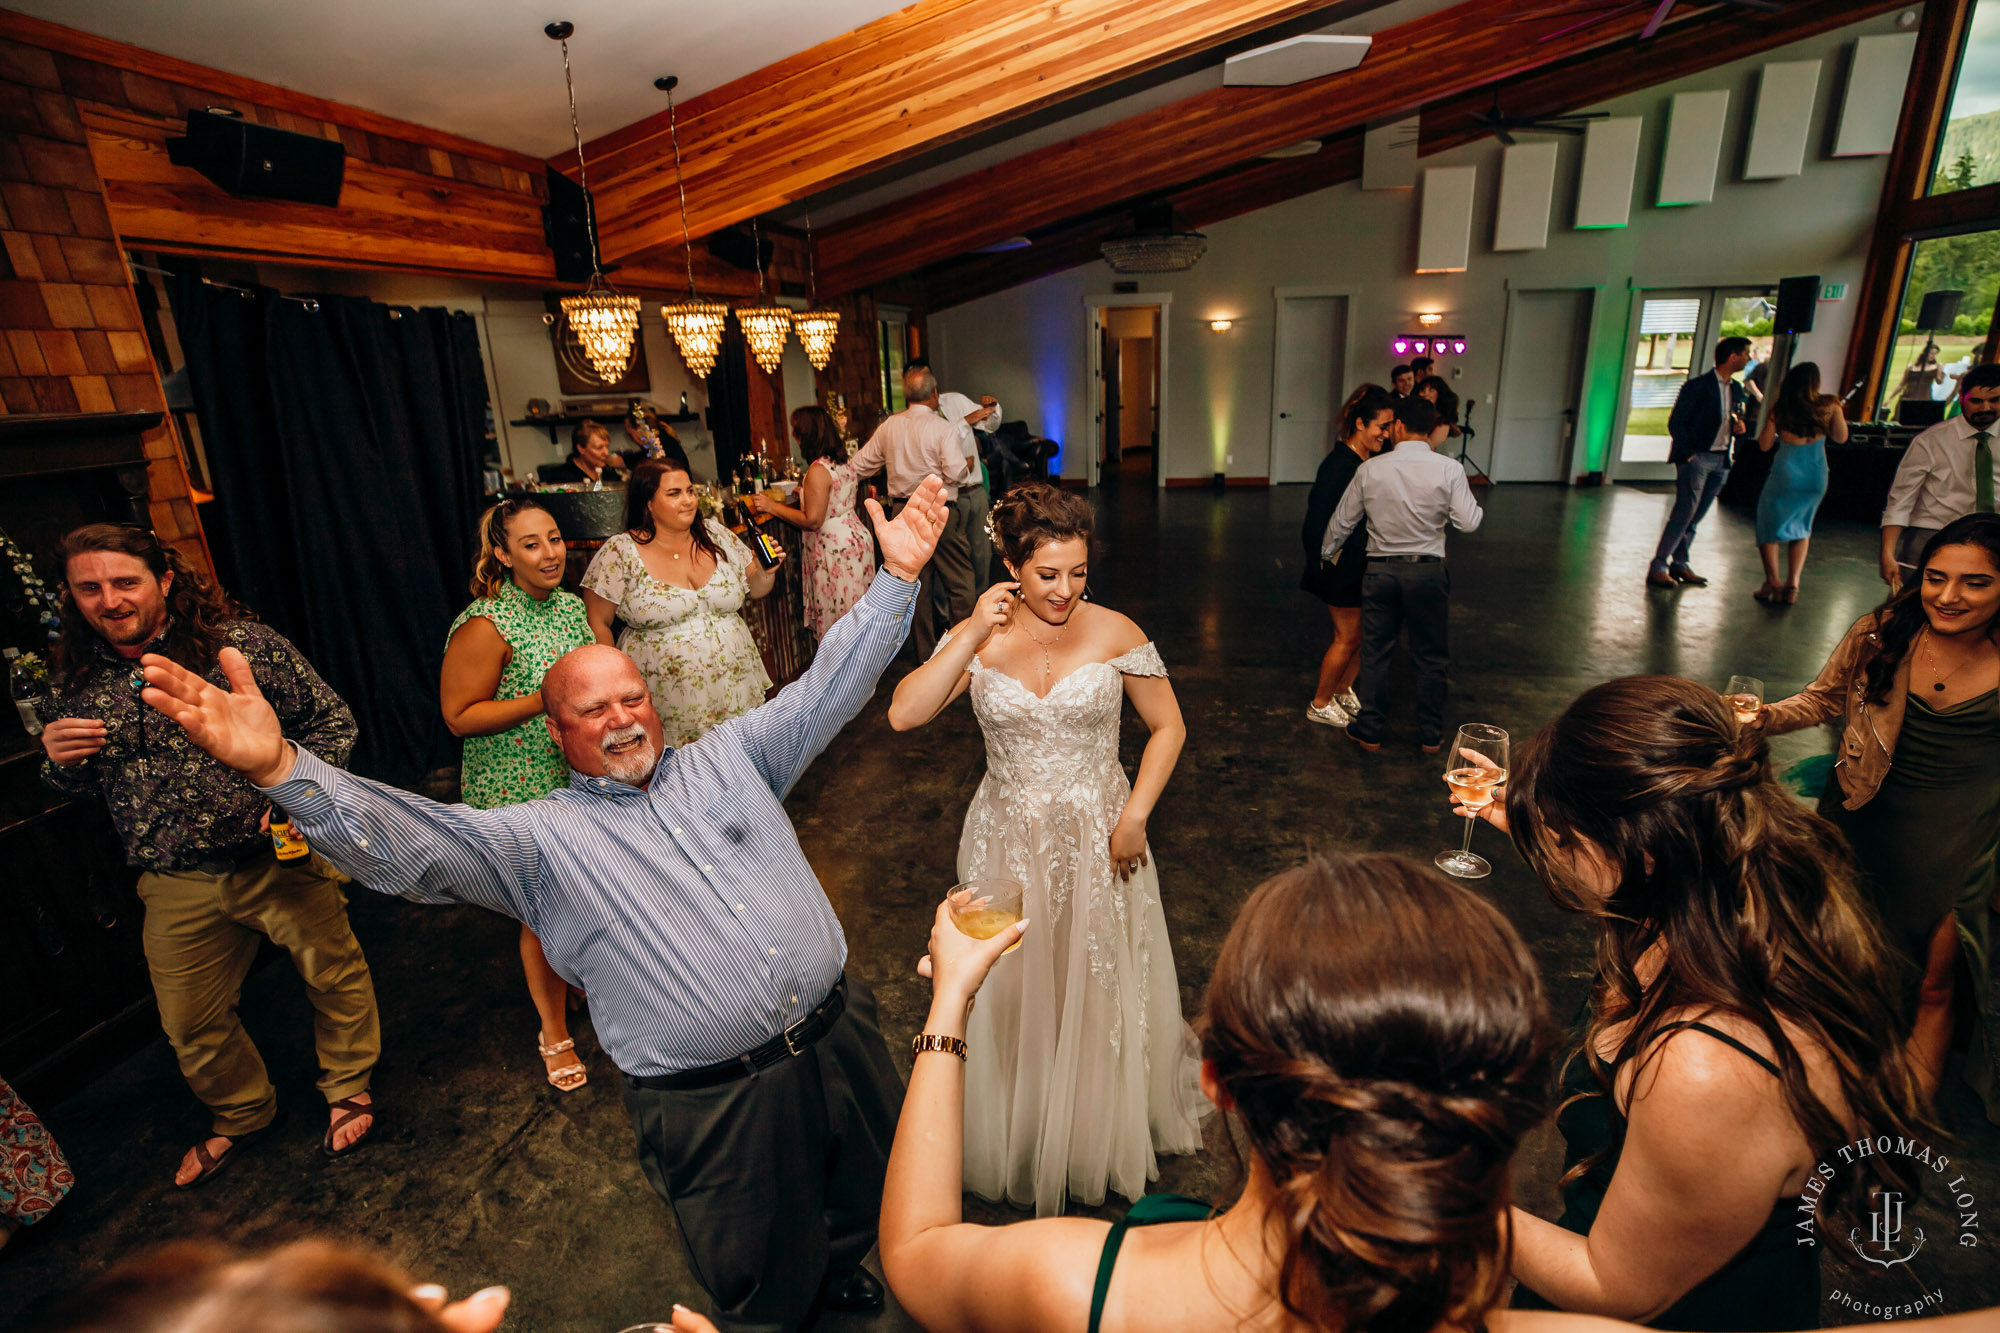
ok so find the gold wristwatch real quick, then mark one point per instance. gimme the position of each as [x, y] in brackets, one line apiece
[925, 1041]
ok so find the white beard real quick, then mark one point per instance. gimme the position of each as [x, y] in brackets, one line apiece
[633, 767]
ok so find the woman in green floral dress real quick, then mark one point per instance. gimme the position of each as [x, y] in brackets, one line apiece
[499, 649]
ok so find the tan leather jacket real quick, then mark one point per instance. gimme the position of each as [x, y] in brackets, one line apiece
[1869, 745]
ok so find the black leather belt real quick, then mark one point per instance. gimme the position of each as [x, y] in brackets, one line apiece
[794, 1040]
[1404, 559]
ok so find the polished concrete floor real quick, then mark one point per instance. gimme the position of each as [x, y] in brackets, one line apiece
[481, 1173]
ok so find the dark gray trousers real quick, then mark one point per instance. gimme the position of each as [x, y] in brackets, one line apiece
[945, 594]
[776, 1180]
[1395, 595]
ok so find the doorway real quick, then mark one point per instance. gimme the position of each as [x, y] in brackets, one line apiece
[1128, 349]
[1672, 337]
[1307, 381]
[1541, 377]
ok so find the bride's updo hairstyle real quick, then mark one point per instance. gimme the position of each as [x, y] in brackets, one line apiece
[1382, 1036]
[1034, 513]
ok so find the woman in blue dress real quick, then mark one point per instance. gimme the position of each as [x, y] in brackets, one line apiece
[1798, 426]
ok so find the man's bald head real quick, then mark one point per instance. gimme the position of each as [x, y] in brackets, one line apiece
[599, 711]
[920, 385]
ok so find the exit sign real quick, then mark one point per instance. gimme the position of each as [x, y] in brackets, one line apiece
[1833, 291]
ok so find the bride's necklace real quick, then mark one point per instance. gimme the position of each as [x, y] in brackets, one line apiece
[1937, 680]
[1048, 664]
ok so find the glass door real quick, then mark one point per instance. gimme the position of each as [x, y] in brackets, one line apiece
[1673, 336]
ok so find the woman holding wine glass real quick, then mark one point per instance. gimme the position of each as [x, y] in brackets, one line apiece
[839, 557]
[1083, 1069]
[1741, 1028]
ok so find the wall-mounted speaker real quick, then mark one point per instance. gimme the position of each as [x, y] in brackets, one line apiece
[1938, 311]
[735, 248]
[1798, 298]
[258, 162]
[566, 227]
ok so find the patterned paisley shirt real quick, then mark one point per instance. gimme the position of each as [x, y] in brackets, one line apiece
[175, 807]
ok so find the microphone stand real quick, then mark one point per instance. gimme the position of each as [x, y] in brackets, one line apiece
[1465, 437]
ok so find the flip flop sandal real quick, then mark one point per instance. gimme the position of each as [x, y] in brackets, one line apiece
[212, 1166]
[347, 1109]
[571, 1076]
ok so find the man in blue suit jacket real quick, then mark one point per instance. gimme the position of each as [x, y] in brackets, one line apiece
[1707, 418]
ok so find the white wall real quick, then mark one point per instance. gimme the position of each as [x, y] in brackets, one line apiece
[1028, 345]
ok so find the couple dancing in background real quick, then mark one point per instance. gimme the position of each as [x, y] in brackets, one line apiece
[1080, 1069]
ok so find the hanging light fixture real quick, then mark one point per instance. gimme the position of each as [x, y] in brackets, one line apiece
[764, 324]
[696, 324]
[600, 325]
[817, 328]
[1154, 245]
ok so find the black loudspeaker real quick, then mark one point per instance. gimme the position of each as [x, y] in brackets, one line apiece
[733, 248]
[1797, 299]
[258, 162]
[1940, 309]
[567, 228]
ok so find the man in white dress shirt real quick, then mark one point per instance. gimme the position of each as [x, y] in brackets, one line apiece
[1946, 473]
[914, 443]
[1407, 495]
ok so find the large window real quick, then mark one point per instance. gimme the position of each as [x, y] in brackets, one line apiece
[1969, 148]
[1931, 352]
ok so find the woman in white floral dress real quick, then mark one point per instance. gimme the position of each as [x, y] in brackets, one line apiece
[1079, 1068]
[680, 582]
[839, 557]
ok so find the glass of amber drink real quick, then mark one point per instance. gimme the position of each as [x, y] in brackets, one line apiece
[1474, 766]
[1745, 697]
[982, 908]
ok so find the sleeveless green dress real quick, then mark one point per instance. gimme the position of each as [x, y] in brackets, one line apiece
[1146, 1211]
[522, 762]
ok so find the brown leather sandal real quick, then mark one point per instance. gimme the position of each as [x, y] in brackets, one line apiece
[344, 1110]
[213, 1166]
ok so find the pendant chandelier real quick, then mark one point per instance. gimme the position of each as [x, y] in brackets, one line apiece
[696, 324]
[817, 328]
[600, 325]
[765, 325]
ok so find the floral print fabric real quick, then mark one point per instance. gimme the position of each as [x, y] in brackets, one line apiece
[694, 649]
[839, 558]
[523, 762]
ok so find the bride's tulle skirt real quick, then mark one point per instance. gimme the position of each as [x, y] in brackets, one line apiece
[1080, 1069]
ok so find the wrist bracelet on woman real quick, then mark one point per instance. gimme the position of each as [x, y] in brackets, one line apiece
[926, 1041]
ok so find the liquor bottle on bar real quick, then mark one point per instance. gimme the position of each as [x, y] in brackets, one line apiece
[287, 842]
[762, 544]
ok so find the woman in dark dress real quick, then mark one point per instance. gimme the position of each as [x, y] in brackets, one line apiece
[1917, 786]
[1365, 423]
[1741, 1027]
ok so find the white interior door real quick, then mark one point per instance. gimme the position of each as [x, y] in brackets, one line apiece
[1546, 332]
[1306, 390]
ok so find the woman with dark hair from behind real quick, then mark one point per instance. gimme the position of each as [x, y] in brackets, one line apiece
[1740, 1029]
[1366, 419]
[1798, 426]
[839, 555]
[1916, 788]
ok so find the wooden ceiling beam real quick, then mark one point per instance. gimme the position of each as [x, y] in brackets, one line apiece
[1585, 79]
[926, 75]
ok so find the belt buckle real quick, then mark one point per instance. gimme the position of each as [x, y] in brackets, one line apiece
[787, 1034]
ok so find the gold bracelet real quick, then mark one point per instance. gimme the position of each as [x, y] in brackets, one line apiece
[926, 1041]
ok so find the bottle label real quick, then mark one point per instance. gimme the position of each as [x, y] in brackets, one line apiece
[288, 843]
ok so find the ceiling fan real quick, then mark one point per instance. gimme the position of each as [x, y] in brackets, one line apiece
[1662, 9]
[1503, 126]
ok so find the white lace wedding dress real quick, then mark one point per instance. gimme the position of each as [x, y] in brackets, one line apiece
[1080, 1068]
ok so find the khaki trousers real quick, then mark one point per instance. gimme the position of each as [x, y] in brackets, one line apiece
[201, 936]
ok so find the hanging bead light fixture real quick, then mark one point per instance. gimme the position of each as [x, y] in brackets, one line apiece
[696, 324]
[817, 328]
[601, 322]
[765, 325]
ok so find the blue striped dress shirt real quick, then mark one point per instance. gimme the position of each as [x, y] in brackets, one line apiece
[685, 910]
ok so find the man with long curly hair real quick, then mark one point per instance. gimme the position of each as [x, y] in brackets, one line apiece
[195, 830]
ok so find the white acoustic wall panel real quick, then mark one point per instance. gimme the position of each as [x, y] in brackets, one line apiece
[1610, 162]
[1444, 237]
[1527, 187]
[1874, 101]
[1389, 155]
[1694, 147]
[1781, 120]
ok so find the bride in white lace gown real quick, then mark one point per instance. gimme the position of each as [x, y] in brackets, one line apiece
[1080, 1069]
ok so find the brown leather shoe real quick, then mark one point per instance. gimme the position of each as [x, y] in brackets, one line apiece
[1689, 577]
[1658, 580]
[1370, 746]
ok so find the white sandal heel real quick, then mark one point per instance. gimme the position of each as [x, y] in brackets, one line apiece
[571, 1076]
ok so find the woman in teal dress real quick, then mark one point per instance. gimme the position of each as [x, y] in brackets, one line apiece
[1917, 786]
[499, 649]
[1798, 426]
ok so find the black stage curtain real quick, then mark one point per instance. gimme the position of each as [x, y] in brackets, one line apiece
[345, 442]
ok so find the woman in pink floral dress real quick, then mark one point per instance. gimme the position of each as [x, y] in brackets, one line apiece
[839, 551]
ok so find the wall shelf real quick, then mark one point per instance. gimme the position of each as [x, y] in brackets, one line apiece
[559, 421]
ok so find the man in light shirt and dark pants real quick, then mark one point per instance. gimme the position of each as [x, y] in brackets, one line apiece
[973, 419]
[1408, 496]
[1946, 473]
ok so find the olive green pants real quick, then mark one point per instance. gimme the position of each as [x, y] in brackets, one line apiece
[202, 933]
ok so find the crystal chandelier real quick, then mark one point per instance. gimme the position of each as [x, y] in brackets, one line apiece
[1154, 245]
[817, 328]
[765, 325]
[601, 322]
[695, 324]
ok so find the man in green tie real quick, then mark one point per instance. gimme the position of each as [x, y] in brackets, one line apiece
[1946, 473]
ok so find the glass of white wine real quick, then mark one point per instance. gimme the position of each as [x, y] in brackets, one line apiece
[1475, 764]
[982, 908]
[1745, 697]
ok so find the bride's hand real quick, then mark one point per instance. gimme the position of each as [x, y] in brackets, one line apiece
[995, 610]
[1128, 848]
[957, 963]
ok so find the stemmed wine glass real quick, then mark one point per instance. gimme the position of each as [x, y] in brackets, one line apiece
[1745, 697]
[1475, 764]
